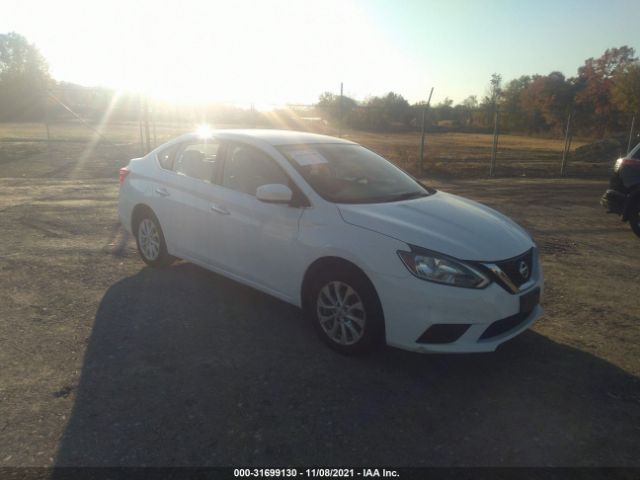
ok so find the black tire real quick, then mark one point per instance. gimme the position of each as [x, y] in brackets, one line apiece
[162, 258]
[372, 330]
[634, 219]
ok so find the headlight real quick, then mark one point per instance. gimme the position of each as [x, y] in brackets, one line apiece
[617, 165]
[442, 269]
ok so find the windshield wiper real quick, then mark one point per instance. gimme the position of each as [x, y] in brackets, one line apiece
[401, 196]
[407, 196]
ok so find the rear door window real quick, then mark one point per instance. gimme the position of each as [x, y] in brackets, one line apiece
[167, 156]
[198, 160]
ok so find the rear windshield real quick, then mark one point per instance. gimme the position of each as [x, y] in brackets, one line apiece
[346, 173]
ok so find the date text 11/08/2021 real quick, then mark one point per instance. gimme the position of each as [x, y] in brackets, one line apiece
[315, 472]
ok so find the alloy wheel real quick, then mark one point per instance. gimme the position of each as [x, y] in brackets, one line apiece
[341, 313]
[149, 239]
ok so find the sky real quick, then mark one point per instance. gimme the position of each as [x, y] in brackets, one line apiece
[270, 52]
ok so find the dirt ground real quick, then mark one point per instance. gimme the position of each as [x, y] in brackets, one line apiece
[107, 362]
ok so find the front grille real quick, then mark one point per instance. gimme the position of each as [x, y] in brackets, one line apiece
[443, 333]
[512, 266]
[501, 326]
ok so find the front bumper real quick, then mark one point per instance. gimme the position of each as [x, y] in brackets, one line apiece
[470, 320]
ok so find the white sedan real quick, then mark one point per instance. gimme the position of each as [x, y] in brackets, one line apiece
[369, 253]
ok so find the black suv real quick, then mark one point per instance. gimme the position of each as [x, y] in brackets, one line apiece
[623, 194]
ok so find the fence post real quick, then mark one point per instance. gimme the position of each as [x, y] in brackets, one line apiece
[565, 151]
[494, 147]
[153, 124]
[424, 122]
[633, 122]
[141, 137]
[340, 111]
[146, 124]
[47, 120]
[48, 138]
[140, 124]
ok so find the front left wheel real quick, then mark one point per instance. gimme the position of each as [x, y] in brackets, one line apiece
[346, 311]
[634, 219]
[150, 240]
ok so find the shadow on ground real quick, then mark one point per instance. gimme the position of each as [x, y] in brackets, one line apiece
[185, 367]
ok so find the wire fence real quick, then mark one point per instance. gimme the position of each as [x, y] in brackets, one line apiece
[445, 141]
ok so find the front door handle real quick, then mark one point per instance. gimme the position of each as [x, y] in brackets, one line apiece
[162, 192]
[219, 209]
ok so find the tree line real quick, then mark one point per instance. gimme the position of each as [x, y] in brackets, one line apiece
[602, 97]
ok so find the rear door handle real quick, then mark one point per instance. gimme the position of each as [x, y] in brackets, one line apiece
[219, 209]
[162, 192]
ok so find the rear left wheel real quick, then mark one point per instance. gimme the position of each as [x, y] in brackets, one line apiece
[150, 240]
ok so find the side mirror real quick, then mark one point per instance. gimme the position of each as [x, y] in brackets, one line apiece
[274, 193]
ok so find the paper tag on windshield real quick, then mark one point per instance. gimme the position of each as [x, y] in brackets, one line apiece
[308, 157]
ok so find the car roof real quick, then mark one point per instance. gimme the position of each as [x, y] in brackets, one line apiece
[272, 137]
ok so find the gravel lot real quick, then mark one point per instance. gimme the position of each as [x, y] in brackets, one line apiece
[107, 362]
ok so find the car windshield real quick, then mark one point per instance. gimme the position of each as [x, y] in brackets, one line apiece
[349, 173]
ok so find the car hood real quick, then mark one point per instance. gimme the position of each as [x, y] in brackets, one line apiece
[444, 223]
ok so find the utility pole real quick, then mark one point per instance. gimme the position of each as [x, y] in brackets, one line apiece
[567, 143]
[633, 122]
[146, 124]
[424, 124]
[494, 147]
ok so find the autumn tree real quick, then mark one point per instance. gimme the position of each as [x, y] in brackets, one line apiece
[382, 113]
[471, 102]
[335, 106]
[443, 110]
[511, 103]
[24, 78]
[547, 100]
[393, 106]
[594, 97]
[626, 88]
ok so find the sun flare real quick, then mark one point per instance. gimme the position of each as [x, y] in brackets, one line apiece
[204, 131]
[239, 52]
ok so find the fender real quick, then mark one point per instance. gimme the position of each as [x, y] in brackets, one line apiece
[632, 199]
